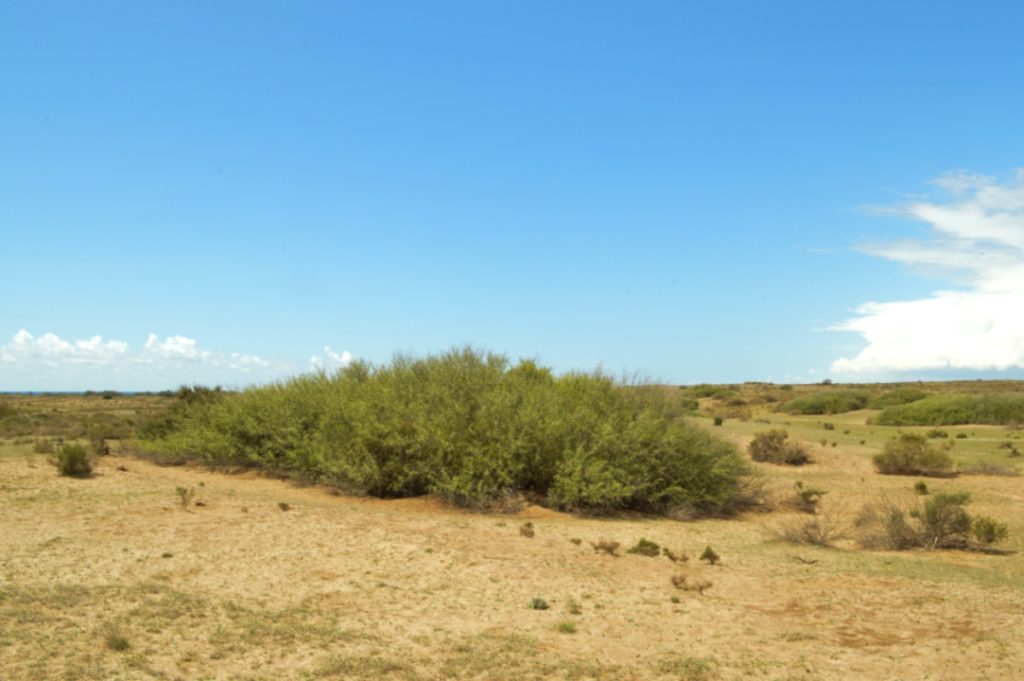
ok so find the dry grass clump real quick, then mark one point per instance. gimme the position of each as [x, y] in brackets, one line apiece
[939, 522]
[606, 546]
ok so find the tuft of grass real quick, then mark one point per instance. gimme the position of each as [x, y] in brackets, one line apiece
[606, 546]
[115, 639]
[538, 604]
[527, 530]
[567, 627]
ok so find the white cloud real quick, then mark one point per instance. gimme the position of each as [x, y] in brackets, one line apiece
[333, 360]
[978, 242]
[175, 347]
[50, 350]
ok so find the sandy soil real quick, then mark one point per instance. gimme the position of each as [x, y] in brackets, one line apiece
[109, 577]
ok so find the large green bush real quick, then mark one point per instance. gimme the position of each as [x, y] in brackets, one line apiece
[898, 396]
[828, 402]
[912, 454]
[952, 410]
[470, 428]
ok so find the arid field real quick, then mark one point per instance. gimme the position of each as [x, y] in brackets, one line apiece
[113, 577]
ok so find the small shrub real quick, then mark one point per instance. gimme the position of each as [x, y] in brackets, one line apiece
[567, 627]
[771, 446]
[829, 426]
[936, 433]
[987, 531]
[961, 436]
[526, 530]
[605, 546]
[284, 506]
[73, 461]
[710, 556]
[911, 454]
[538, 604]
[576, 540]
[185, 495]
[718, 421]
[683, 583]
[921, 488]
[645, 547]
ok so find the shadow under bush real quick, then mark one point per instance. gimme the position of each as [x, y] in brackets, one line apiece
[472, 429]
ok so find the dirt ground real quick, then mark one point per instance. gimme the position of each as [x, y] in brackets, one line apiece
[112, 578]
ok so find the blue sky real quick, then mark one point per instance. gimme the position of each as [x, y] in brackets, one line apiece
[692, 191]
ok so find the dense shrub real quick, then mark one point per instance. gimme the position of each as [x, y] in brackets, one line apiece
[912, 454]
[772, 446]
[467, 427]
[829, 402]
[897, 397]
[72, 460]
[952, 410]
[720, 392]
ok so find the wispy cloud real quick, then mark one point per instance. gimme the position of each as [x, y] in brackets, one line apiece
[978, 243]
[28, 362]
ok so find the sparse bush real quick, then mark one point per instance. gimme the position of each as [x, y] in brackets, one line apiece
[911, 454]
[829, 426]
[921, 488]
[73, 461]
[538, 604]
[941, 522]
[821, 530]
[710, 556]
[645, 547]
[936, 433]
[987, 531]
[771, 446]
[683, 583]
[605, 546]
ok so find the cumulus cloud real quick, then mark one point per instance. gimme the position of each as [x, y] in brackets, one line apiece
[332, 359]
[977, 242]
[49, 349]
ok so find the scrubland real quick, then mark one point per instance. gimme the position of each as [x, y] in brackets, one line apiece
[230, 568]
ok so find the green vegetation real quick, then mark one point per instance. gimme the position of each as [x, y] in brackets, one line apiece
[897, 397]
[467, 427]
[537, 604]
[912, 454]
[952, 410]
[829, 402]
[73, 461]
[646, 547]
[771, 446]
